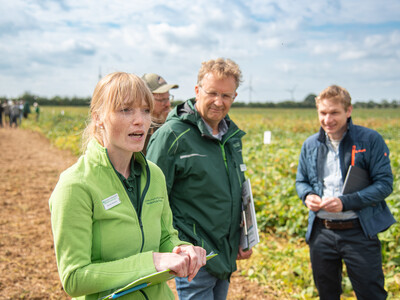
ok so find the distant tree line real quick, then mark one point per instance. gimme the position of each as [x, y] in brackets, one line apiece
[55, 101]
[308, 102]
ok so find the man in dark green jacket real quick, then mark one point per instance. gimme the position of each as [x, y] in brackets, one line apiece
[199, 150]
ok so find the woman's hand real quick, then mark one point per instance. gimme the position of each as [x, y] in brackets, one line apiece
[179, 264]
[184, 261]
[197, 256]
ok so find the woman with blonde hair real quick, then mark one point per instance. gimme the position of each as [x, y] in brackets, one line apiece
[110, 214]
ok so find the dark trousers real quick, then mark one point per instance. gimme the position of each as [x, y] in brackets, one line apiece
[362, 256]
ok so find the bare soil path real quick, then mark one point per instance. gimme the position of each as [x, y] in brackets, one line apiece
[29, 170]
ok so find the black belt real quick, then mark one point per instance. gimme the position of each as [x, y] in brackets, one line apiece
[338, 224]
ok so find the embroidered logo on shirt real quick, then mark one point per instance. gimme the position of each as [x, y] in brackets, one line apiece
[111, 201]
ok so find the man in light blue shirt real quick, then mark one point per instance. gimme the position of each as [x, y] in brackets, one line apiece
[344, 227]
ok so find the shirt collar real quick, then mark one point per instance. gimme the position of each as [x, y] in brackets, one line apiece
[222, 127]
[136, 169]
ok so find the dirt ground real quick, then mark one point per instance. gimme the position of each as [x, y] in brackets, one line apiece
[29, 170]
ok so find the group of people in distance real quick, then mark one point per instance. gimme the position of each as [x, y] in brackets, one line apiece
[125, 210]
[13, 111]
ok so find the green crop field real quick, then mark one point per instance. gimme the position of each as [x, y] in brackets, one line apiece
[281, 259]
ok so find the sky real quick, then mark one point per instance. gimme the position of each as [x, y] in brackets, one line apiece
[286, 49]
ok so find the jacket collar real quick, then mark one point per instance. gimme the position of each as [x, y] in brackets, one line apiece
[99, 155]
[187, 113]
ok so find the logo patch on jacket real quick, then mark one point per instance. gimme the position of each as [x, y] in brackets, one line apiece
[154, 200]
[354, 151]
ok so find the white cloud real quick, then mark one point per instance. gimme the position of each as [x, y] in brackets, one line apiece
[58, 47]
[352, 55]
[271, 43]
[326, 49]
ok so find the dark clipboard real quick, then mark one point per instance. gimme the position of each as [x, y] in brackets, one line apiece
[356, 180]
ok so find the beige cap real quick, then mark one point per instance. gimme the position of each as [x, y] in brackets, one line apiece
[157, 84]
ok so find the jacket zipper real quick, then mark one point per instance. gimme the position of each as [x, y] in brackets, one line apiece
[141, 204]
[222, 146]
[238, 175]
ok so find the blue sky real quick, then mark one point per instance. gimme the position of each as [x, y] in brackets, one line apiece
[286, 49]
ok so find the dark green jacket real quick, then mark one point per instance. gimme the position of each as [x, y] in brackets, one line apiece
[204, 180]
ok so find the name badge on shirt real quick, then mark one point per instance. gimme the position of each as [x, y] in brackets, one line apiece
[111, 201]
[243, 167]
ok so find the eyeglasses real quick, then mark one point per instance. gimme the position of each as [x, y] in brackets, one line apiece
[165, 100]
[214, 95]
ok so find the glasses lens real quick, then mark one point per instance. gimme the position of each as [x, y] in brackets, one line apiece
[216, 95]
[165, 100]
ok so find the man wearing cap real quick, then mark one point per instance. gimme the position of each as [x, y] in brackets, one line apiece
[162, 102]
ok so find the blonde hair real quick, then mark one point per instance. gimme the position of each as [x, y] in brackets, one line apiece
[221, 68]
[336, 94]
[113, 92]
